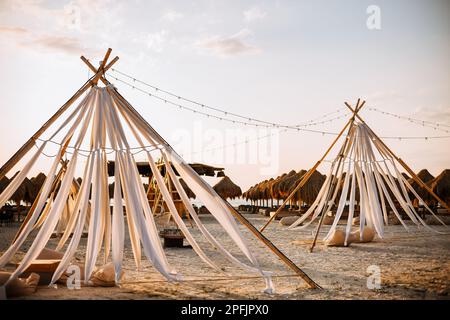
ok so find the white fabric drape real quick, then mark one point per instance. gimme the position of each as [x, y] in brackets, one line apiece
[379, 184]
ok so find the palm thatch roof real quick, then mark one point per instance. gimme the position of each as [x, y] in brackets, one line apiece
[26, 192]
[281, 186]
[4, 182]
[227, 189]
[441, 185]
[309, 192]
[145, 170]
[39, 180]
[426, 177]
[188, 190]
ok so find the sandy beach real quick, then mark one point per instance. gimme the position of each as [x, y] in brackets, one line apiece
[413, 265]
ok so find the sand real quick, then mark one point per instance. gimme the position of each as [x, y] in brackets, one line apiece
[413, 265]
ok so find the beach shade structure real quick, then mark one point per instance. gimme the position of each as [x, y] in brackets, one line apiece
[38, 181]
[309, 192]
[3, 183]
[426, 177]
[88, 136]
[227, 189]
[363, 160]
[144, 169]
[441, 185]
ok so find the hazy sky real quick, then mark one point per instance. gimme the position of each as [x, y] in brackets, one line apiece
[281, 61]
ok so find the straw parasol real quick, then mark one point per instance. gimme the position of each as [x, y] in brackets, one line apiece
[19, 194]
[309, 192]
[426, 177]
[188, 190]
[227, 189]
[38, 182]
[30, 191]
[441, 185]
[4, 182]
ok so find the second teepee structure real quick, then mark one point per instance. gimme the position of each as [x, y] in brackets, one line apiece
[365, 171]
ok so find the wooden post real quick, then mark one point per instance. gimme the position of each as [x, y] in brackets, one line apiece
[334, 182]
[239, 217]
[273, 248]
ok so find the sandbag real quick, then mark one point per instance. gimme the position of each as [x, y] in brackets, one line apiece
[328, 220]
[66, 274]
[367, 236]
[105, 276]
[337, 239]
[19, 287]
[49, 254]
[287, 221]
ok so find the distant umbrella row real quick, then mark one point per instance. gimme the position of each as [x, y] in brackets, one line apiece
[280, 188]
[29, 189]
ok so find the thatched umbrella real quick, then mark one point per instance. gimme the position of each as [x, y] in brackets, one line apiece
[309, 192]
[24, 192]
[426, 177]
[274, 192]
[284, 183]
[4, 182]
[227, 189]
[276, 186]
[188, 190]
[441, 185]
[19, 194]
[30, 191]
[37, 182]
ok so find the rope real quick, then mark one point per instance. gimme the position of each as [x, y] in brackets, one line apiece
[424, 123]
[268, 124]
[222, 111]
[88, 152]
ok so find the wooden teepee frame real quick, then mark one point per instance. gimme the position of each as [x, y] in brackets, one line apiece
[305, 178]
[99, 76]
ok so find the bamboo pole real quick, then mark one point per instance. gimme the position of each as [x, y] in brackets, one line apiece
[335, 179]
[236, 214]
[35, 202]
[273, 248]
[30, 143]
[407, 168]
[305, 178]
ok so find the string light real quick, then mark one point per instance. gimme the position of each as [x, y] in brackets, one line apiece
[266, 124]
[424, 123]
[222, 111]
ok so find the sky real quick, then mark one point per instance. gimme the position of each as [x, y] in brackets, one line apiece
[280, 61]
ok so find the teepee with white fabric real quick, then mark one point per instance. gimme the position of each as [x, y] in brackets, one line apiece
[364, 174]
[101, 119]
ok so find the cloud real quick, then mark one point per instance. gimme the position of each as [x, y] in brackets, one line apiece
[58, 43]
[13, 30]
[172, 16]
[254, 14]
[64, 44]
[229, 45]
